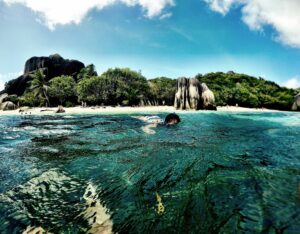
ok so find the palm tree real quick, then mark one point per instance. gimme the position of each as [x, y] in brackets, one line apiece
[87, 72]
[39, 85]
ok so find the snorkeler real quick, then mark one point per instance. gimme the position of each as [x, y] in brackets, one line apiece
[154, 121]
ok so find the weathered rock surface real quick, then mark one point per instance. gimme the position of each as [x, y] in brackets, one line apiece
[53, 66]
[2, 97]
[296, 105]
[208, 98]
[182, 94]
[7, 106]
[60, 110]
[191, 94]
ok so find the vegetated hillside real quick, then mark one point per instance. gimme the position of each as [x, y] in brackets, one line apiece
[54, 80]
[232, 88]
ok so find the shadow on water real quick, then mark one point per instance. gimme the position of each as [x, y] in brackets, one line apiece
[213, 173]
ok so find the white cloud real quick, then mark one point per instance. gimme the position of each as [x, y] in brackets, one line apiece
[165, 16]
[221, 6]
[10, 75]
[61, 12]
[7, 77]
[1, 85]
[292, 83]
[282, 15]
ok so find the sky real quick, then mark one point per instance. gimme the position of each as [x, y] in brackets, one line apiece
[170, 38]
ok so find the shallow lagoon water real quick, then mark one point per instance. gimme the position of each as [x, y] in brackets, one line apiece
[214, 173]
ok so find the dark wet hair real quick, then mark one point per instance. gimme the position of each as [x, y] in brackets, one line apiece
[171, 117]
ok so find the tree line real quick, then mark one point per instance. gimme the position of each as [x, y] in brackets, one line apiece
[122, 86]
[118, 86]
[233, 88]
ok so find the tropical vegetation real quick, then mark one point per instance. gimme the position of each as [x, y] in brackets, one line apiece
[39, 86]
[123, 86]
[239, 89]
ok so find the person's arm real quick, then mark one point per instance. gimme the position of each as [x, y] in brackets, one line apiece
[148, 128]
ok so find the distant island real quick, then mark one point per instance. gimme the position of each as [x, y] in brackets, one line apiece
[52, 81]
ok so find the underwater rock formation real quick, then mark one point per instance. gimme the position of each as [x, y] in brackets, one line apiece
[191, 94]
[53, 66]
[296, 104]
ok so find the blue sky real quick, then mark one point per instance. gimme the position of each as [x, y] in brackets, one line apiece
[172, 38]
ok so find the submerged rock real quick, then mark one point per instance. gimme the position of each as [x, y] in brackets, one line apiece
[191, 94]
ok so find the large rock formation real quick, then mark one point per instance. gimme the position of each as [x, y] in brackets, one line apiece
[296, 105]
[7, 106]
[191, 94]
[2, 97]
[208, 98]
[53, 66]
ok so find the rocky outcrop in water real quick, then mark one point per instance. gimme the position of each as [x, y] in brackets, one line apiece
[296, 105]
[191, 94]
[53, 66]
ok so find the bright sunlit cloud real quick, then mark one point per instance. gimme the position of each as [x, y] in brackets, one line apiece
[62, 12]
[292, 83]
[283, 16]
[1, 85]
[8, 76]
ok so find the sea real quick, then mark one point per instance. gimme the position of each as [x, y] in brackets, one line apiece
[215, 172]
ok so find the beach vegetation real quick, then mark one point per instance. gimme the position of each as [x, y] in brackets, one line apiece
[39, 86]
[114, 87]
[247, 91]
[29, 99]
[62, 88]
[162, 90]
[87, 72]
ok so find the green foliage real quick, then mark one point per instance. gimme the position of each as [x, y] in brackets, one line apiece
[29, 99]
[12, 98]
[122, 86]
[39, 86]
[87, 72]
[163, 90]
[96, 90]
[233, 88]
[62, 88]
[116, 86]
[129, 86]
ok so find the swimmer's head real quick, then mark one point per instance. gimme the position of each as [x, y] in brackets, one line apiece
[172, 119]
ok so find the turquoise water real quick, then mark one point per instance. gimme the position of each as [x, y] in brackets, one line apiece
[213, 173]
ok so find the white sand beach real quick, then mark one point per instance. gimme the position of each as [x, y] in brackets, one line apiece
[121, 110]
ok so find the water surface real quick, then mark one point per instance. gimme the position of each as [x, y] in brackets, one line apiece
[213, 173]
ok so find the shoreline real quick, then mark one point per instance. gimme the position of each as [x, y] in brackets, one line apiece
[123, 110]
